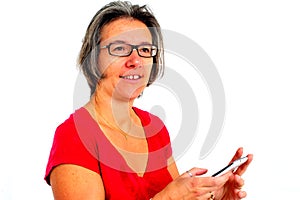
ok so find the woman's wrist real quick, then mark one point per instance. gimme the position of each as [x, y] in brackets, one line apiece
[161, 196]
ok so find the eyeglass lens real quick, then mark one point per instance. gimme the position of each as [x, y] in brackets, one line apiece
[120, 49]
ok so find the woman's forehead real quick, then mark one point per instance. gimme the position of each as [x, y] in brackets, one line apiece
[127, 30]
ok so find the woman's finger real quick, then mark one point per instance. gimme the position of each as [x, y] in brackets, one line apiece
[194, 172]
[239, 182]
[238, 154]
[241, 194]
[241, 169]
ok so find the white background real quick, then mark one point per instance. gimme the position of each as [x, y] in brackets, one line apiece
[255, 46]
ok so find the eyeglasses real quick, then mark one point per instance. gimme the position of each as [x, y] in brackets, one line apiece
[123, 50]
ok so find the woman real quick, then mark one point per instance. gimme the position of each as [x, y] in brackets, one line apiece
[109, 149]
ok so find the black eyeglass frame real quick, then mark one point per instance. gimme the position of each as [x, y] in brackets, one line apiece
[136, 47]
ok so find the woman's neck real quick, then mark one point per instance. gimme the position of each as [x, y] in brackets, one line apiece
[112, 109]
[113, 112]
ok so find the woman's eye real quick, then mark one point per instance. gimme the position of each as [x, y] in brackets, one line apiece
[145, 49]
[118, 48]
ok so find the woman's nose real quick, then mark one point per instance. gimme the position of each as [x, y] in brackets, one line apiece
[134, 60]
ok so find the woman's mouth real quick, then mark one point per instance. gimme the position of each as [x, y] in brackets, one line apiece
[131, 77]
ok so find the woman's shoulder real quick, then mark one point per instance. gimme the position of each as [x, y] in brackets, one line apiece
[69, 126]
[140, 111]
[152, 124]
[146, 116]
[69, 145]
[77, 133]
[65, 126]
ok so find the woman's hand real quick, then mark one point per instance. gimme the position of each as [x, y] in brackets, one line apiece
[232, 190]
[190, 186]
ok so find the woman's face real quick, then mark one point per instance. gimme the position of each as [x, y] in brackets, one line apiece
[124, 77]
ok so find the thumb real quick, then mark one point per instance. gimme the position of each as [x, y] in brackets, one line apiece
[200, 171]
[195, 172]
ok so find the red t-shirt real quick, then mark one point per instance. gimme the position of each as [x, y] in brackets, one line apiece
[80, 141]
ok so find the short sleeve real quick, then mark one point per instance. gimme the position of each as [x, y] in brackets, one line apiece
[67, 148]
[165, 138]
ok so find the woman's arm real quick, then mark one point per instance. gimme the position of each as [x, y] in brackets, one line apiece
[73, 182]
[172, 168]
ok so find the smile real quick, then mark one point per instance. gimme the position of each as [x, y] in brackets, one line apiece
[131, 77]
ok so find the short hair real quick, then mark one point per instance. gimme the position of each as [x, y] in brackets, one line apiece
[89, 53]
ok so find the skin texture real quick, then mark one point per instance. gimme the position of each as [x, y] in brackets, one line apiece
[115, 95]
[131, 32]
[226, 187]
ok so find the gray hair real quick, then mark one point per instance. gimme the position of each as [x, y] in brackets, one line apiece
[89, 53]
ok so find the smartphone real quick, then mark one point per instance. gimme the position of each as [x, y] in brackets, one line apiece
[232, 166]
